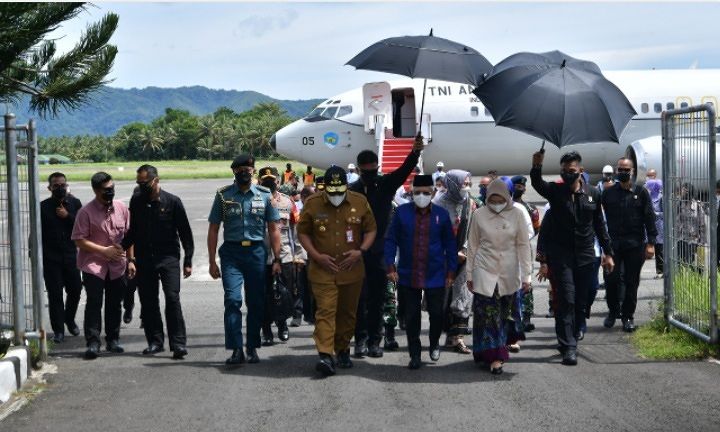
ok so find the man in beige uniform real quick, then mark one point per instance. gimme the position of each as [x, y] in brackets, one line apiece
[336, 226]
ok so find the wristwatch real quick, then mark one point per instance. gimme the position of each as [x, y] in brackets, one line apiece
[277, 260]
[132, 260]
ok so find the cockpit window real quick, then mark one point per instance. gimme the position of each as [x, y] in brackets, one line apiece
[315, 113]
[336, 102]
[330, 112]
[344, 110]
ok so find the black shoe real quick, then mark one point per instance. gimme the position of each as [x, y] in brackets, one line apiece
[435, 353]
[236, 358]
[93, 351]
[569, 357]
[628, 325]
[580, 335]
[127, 316]
[179, 353]
[58, 337]
[295, 322]
[375, 351]
[153, 349]
[73, 329]
[115, 347]
[550, 314]
[267, 337]
[283, 333]
[325, 365]
[343, 360]
[496, 371]
[609, 322]
[527, 325]
[361, 349]
[252, 356]
[415, 363]
[391, 344]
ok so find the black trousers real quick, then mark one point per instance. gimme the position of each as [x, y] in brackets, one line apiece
[58, 276]
[622, 284]
[434, 299]
[113, 290]
[368, 326]
[150, 273]
[573, 285]
[287, 276]
[660, 258]
[129, 296]
[308, 301]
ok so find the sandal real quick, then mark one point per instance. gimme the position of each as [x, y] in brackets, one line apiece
[496, 370]
[514, 348]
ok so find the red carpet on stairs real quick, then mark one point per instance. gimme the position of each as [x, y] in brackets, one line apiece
[395, 150]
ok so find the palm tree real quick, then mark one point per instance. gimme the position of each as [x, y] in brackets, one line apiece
[29, 66]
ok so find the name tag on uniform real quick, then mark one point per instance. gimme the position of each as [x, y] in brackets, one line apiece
[349, 235]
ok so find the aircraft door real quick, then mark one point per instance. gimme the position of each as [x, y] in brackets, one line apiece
[712, 100]
[377, 106]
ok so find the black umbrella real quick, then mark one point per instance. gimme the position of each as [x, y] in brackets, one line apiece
[424, 57]
[555, 97]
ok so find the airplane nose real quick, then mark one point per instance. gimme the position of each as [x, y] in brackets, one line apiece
[273, 143]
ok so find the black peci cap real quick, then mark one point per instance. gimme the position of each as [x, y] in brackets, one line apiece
[243, 160]
[423, 180]
[518, 179]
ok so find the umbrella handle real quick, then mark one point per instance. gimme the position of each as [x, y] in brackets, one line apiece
[542, 147]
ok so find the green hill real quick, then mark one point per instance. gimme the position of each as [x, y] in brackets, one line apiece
[112, 108]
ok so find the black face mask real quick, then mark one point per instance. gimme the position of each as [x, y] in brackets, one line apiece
[243, 178]
[569, 178]
[271, 184]
[59, 193]
[108, 195]
[368, 176]
[518, 193]
[146, 189]
[623, 177]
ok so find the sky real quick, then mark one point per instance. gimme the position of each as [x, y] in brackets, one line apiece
[298, 50]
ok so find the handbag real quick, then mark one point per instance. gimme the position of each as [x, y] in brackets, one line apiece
[282, 300]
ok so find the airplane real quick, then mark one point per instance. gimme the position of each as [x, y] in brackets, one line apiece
[459, 131]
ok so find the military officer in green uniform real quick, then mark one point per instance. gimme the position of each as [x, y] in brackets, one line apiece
[336, 226]
[244, 209]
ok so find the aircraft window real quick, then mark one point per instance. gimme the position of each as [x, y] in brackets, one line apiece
[683, 104]
[316, 112]
[329, 113]
[474, 111]
[336, 102]
[644, 108]
[658, 107]
[487, 112]
[670, 105]
[344, 110]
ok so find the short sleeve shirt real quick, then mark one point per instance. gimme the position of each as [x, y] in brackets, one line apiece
[334, 231]
[103, 226]
[243, 215]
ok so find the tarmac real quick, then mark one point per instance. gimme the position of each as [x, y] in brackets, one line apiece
[610, 389]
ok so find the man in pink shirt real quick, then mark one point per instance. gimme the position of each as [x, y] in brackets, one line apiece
[99, 228]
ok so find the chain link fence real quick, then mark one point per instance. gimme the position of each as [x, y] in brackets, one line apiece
[691, 216]
[22, 292]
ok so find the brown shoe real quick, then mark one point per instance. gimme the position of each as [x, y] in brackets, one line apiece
[461, 348]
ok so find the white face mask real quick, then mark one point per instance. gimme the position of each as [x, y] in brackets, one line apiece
[497, 208]
[422, 201]
[465, 192]
[336, 200]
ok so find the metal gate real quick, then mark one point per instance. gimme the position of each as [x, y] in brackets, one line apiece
[691, 216]
[22, 291]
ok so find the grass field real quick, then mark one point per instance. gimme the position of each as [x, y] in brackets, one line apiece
[168, 170]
